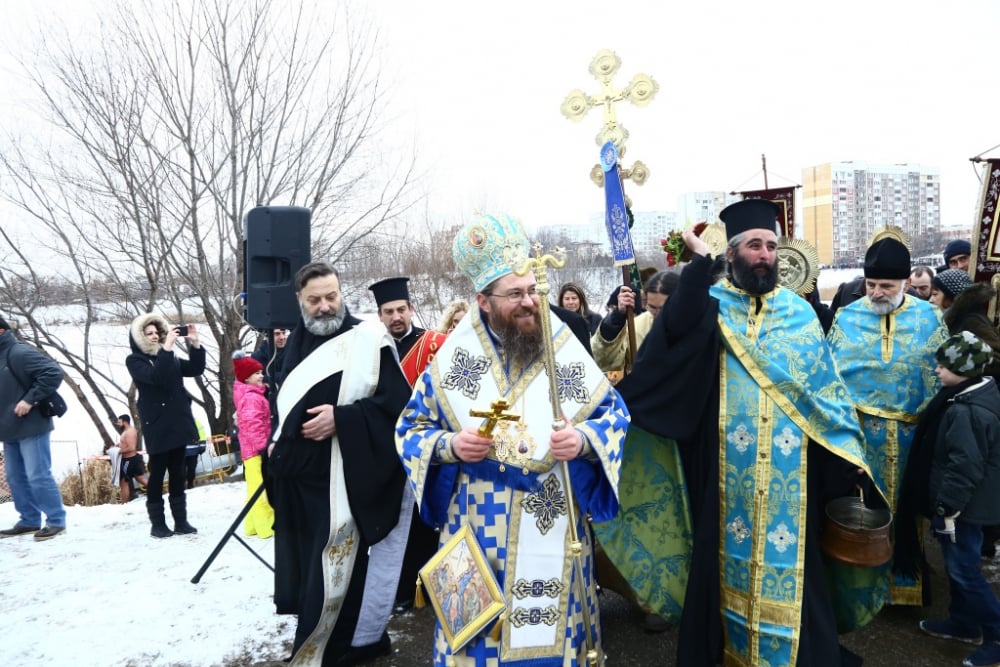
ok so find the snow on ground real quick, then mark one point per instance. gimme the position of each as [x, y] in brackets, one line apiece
[833, 277]
[106, 594]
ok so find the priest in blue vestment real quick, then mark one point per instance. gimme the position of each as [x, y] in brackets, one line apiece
[739, 374]
[509, 488]
[884, 346]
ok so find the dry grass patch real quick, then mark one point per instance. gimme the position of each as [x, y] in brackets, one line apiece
[92, 487]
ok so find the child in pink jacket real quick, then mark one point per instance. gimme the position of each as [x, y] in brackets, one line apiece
[253, 417]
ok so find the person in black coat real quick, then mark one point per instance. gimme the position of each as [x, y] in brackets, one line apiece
[271, 354]
[336, 437]
[952, 476]
[967, 312]
[165, 411]
[577, 325]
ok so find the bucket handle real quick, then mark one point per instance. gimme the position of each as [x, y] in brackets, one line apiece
[861, 505]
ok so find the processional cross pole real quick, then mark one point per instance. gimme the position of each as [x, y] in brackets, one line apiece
[639, 91]
[538, 265]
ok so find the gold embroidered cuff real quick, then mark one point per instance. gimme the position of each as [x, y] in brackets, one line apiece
[443, 452]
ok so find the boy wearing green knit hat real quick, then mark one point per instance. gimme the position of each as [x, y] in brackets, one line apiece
[963, 491]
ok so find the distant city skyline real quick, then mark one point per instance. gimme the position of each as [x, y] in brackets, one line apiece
[845, 204]
[869, 198]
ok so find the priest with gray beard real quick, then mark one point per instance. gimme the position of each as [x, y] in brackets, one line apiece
[335, 480]
[884, 346]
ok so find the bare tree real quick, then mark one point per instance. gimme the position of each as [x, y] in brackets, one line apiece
[419, 247]
[166, 130]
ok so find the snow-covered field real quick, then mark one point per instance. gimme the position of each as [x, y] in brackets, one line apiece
[833, 277]
[106, 594]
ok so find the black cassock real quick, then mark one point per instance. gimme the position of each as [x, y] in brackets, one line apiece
[673, 391]
[299, 489]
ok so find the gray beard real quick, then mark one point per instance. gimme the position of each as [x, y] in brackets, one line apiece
[324, 325]
[886, 307]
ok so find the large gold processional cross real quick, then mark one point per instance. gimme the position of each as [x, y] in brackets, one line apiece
[639, 91]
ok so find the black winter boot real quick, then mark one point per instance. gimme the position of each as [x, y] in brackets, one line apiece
[178, 507]
[156, 518]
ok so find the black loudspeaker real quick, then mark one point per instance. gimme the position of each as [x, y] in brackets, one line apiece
[275, 246]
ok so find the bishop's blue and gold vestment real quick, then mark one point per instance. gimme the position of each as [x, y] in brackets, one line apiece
[515, 500]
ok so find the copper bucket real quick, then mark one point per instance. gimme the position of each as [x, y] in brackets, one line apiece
[855, 534]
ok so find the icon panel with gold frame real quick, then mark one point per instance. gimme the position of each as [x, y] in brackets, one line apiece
[462, 588]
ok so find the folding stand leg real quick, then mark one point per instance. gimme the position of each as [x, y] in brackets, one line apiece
[232, 533]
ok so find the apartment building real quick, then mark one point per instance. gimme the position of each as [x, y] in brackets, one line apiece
[845, 203]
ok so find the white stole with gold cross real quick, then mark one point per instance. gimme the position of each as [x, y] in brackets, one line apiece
[355, 354]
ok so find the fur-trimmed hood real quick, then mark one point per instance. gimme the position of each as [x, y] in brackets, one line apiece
[972, 299]
[138, 341]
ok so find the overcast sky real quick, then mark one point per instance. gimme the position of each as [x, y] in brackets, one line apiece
[803, 82]
[479, 85]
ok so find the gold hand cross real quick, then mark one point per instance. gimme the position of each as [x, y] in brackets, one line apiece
[495, 414]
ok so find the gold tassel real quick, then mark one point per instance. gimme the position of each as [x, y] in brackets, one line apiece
[419, 602]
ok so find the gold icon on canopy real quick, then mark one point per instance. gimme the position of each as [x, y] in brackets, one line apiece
[892, 232]
[798, 265]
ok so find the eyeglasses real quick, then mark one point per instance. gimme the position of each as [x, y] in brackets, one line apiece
[517, 295]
